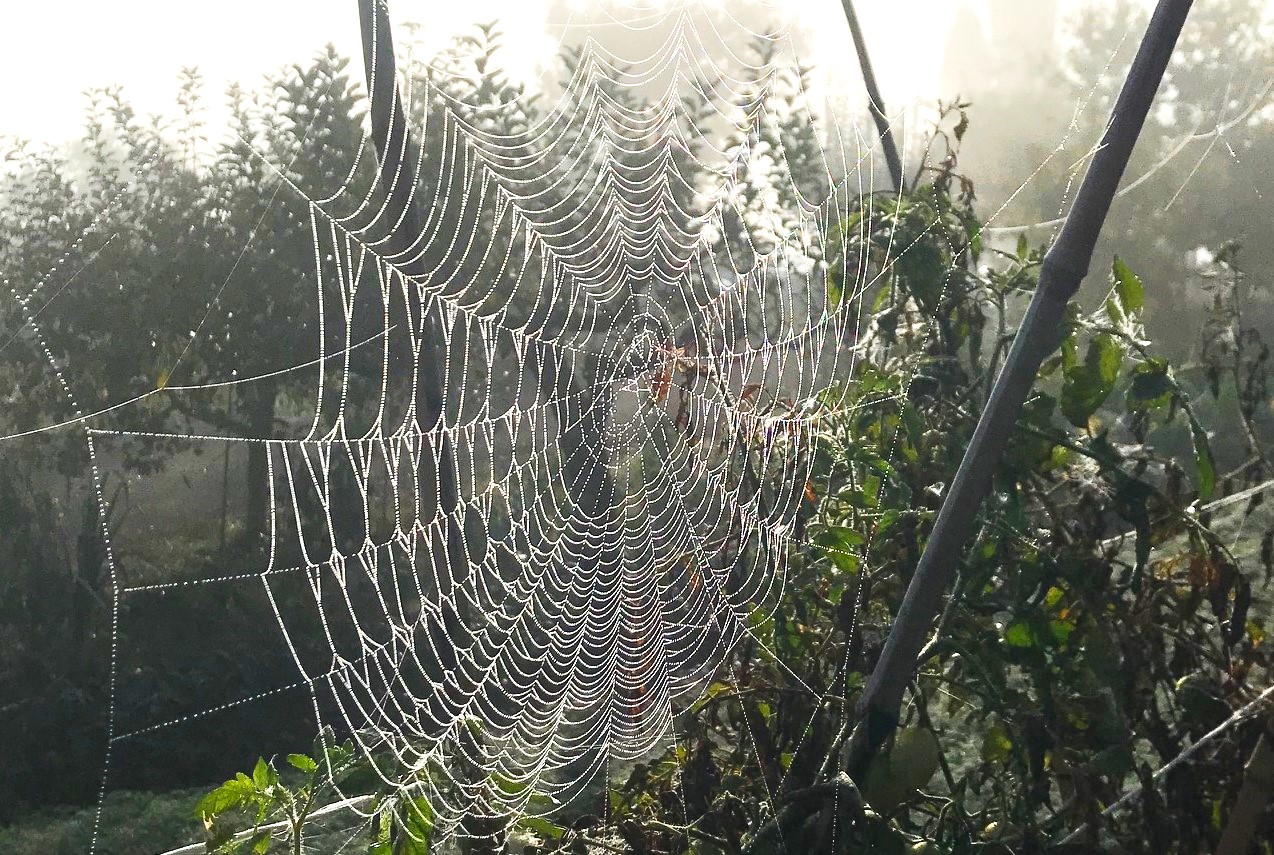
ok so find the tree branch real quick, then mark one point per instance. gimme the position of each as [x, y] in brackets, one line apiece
[586, 464]
[1041, 331]
[874, 102]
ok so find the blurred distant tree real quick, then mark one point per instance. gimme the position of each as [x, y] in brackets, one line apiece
[1206, 148]
[294, 143]
[135, 260]
[1201, 155]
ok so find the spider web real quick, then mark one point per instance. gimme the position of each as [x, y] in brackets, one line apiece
[537, 568]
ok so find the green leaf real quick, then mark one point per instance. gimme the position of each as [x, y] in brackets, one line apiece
[1204, 467]
[1087, 384]
[262, 774]
[974, 229]
[834, 292]
[714, 690]
[838, 543]
[1128, 287]
[261, 842]
[418, 827]
[1152, 386]
[1019, 634]
[996, 744]
[382, 842]
[235, 793]
[302, 762]
[541, 826]
[507, 784]
[922, 271]
[1060, 630]
[912, 421]
[1116, 312]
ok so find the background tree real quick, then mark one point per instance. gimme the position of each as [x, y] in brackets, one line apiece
[1200, 154]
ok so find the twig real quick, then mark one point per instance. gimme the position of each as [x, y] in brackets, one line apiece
[690, 830]
[1242, 714]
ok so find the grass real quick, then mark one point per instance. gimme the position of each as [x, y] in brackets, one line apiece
[143, 823]
[133, 823]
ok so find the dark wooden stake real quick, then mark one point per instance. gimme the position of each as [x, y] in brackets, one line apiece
[585, 461]
[1245, 817]
[874, 102]
[395, 155]
[1064, 267]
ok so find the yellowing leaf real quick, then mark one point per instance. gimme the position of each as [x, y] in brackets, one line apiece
[996, 744]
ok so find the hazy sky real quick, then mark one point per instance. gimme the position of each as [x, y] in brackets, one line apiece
[52, 50]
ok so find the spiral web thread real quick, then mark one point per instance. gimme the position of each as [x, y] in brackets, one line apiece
[628, 330]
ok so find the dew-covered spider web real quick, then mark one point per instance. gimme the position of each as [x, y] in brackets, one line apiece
[556, 445]
[553, 427]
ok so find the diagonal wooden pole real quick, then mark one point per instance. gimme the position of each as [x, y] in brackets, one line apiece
[874, 102]
[1245, 816]
[1040, 333]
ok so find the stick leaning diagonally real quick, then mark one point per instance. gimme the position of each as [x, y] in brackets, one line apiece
[1064, 268]
[875, 104]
